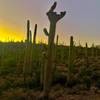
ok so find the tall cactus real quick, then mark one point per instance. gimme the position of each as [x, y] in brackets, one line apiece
[30, 36]
[53, 18]
[28, 30]
[35, 33]
[93, 50]
[71, 59]
[86, 55]
[26, 48]
[86, 50]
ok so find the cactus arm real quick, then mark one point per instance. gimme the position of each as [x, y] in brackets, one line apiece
[46, 32]
[53, 7]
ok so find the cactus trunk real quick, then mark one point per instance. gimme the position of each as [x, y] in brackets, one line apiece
[49, 65]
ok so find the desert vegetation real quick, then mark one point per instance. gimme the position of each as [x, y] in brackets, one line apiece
[31, 71]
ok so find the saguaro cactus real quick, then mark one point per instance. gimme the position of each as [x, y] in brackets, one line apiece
[86, 55]
[86, 50]
[35, 33]
[28, 30]
[71, 58]
[30, 36]
[53, 18]
[93, 50]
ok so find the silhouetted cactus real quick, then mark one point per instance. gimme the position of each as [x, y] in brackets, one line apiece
[86, 55]
[46, 32]
[86, 50]
[71, 59]
[35, 33]
[28, 30]
[43, 60]
[30, 36]
[53, 18]
[93, 50]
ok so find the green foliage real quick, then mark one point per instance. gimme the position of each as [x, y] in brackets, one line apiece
[85, 77]
[59, 79]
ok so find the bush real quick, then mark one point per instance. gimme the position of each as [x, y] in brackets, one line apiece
[60, 79]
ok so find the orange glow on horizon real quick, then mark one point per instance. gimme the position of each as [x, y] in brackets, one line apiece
[7, 34]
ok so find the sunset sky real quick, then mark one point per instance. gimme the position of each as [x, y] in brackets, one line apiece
[82, 19]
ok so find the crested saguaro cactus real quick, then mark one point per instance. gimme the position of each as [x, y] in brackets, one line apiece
[35, 33]
[53, 18]
[28, 31]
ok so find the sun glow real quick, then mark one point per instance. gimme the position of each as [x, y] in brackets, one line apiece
[10, 34]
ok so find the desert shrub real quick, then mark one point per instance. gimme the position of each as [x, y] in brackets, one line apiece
[98, 84]
[85, 76]
[9, 61]
[96, 78]
[4, 70]
[59, 79]
[8, 66]
[73, 81]
[5, 84]
[85, 72]
[87, 82]
[19, 82]
[32, 83]
[14, 94]
[96, 75]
